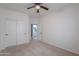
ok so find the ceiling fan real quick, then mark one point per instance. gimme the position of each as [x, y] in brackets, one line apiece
[38, 6]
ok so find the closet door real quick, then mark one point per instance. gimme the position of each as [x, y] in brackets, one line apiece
[9, 33]
[21, 32]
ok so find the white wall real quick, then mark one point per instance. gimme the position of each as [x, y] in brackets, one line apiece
[12, 15]
[61, 28]
[34, 20]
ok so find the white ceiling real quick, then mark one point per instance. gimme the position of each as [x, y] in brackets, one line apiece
[22, 7]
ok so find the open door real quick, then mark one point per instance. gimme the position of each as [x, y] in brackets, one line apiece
[34, 32]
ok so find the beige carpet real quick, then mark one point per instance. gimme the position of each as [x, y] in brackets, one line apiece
[35, 48]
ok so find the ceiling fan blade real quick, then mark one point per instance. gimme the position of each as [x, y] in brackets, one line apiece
[44, 7]
[37, 3]
[37, 10]
[30, 7]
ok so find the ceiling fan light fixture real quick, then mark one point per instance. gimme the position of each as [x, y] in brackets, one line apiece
[37, 7]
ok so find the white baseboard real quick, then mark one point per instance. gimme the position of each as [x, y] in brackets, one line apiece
[60, 47]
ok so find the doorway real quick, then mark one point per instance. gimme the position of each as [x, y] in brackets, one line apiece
[34, 31]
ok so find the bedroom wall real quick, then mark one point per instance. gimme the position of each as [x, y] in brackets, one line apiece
[61, 28]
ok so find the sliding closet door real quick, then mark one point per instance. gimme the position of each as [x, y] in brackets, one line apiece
[21, 32]
[9, 33]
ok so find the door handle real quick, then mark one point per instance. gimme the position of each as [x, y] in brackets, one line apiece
[24, 33]
[6, 34]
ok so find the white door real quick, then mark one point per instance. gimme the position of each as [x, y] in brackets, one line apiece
[9, 33]
[21, 32]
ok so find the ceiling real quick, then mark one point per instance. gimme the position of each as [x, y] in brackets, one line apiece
[22, 7]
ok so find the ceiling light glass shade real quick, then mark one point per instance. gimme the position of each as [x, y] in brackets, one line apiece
[37, 7]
